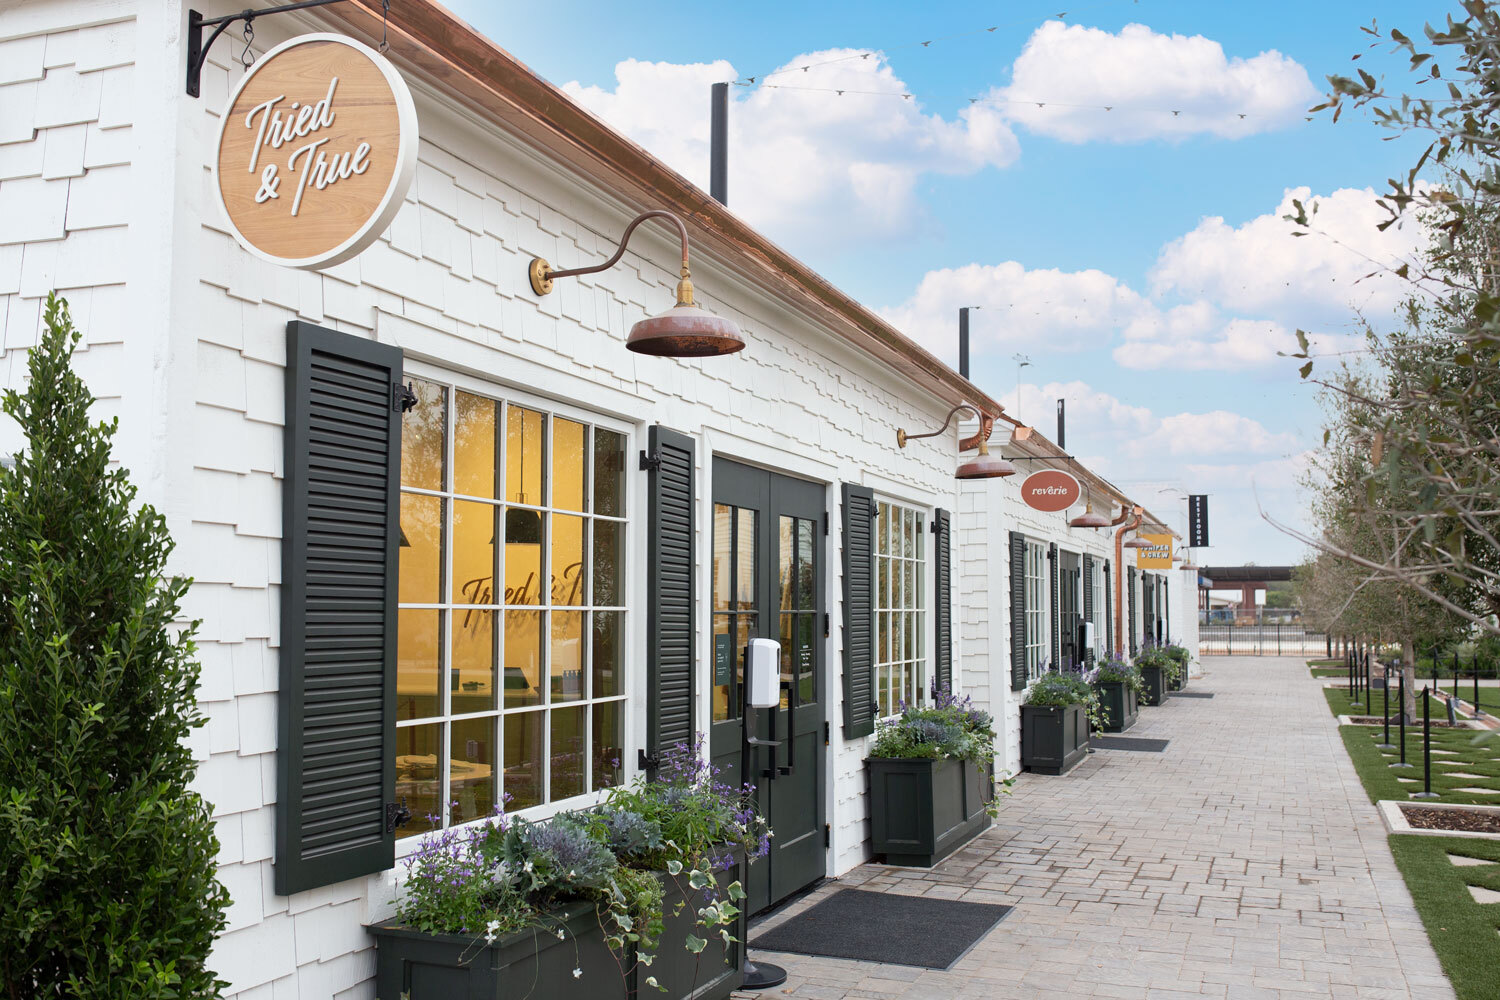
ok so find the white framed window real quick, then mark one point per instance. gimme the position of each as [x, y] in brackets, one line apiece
[510, 679]
[901, 671]
[1036, 609]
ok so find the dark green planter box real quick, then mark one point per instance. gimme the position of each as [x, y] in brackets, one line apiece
[411, 965]
[1118, 706]
[1053, 739]
[922, 810]
[1156, 685]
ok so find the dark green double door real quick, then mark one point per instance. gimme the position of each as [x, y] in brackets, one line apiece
[768, 582]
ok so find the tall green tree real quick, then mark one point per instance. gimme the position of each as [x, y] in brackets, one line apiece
[107, 859]
[1429, 415]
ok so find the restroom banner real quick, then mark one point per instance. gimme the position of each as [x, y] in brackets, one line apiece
[1197, 520]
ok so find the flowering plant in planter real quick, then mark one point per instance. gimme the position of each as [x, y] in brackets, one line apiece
[951, 727]
[1113, 671]
[1176, 661]
[1059, 690]
[491, 880]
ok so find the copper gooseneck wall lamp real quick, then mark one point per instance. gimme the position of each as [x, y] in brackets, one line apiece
[981, 466]
[684, 331]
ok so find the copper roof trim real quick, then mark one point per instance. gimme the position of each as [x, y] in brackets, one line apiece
[429, 41]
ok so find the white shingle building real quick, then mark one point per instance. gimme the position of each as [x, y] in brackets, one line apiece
[537, 648]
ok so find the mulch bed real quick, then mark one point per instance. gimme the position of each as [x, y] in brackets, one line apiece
[1378, 720]
[1452, 819]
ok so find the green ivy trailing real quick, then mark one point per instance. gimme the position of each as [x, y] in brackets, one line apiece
[106, 858]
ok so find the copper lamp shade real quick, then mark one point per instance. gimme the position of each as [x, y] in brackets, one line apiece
[685, 331]
[985, 466]
[1088, 519]
[1137, 543]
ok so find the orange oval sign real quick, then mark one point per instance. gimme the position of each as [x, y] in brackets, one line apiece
[1050, 490]
[316, 151]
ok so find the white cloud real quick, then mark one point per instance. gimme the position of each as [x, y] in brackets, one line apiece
[1309, 281]
[1145, 77]
[1119, 436]
[1019, 308]
[809, 168]
[1240, 293]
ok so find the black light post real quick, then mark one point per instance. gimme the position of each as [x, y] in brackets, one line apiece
[1401, 719]
[1426, 792]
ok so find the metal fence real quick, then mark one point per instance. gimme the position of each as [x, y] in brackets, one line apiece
[1260, 640]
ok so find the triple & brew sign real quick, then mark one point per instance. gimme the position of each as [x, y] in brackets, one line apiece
[1158, 556]
[316, 151]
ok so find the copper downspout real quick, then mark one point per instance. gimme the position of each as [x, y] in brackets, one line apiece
[1120, 577]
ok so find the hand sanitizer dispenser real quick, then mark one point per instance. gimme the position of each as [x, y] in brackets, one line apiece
[763, 673]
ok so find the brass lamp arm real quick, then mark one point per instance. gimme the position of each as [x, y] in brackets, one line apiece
[542, 275]
[986, 424]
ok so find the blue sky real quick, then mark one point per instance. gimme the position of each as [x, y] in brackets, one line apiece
[1136, 256]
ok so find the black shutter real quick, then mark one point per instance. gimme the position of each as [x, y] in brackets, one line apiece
[336, 722]
[669, 593]
[1088, 602]
[1017, 611]
[1130, 598]
[1148, 606]
[1109, 613]
[860, 706]
[1166, 611]
[1056, 606]
[943, 564]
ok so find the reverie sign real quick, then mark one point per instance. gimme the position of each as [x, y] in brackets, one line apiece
[316, 151]
[1050, 490]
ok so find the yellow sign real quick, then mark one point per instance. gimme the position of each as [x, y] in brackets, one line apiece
[316, 151]
[1158, 556]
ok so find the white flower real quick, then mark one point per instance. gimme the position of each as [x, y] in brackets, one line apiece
[490, 930]
[527, 866]
[559, 934]
[577, 973]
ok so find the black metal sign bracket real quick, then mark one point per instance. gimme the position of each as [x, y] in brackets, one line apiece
[197, 48]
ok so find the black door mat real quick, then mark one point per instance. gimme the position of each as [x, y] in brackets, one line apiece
[1127, 743]
[885, 927]
[1192, 694]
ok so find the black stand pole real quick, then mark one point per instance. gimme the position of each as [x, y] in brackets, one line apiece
[1401, 718]
[1474, 666]
[1385, 689]
[1367, 682]
[765, 975]
[1426, 792]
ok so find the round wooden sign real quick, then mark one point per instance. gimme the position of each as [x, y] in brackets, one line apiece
[1050, 490]
[316, 151]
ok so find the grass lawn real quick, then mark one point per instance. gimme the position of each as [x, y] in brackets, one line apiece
[1341, 704]
[1478, 763]
[1335, 662]
[1465, 934]
[1329, 672]
[1489, 697]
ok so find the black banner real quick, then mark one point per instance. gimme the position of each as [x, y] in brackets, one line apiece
[1198, 520]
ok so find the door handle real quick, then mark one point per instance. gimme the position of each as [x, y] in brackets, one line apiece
[791, 726]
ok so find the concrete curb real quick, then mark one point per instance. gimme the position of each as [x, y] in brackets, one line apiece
[1395, 820]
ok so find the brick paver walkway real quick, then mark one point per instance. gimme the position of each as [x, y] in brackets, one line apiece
[1245, 862]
